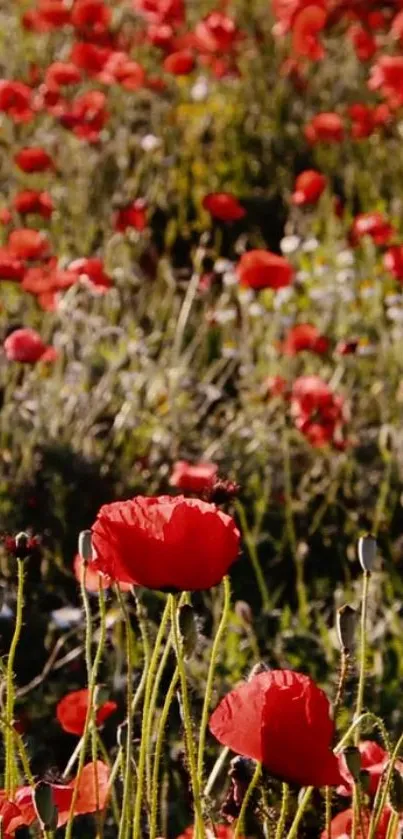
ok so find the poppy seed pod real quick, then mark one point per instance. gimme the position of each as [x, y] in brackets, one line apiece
[353, 761]
[345, 625]
[367, 552]
[85, 545]
[396, 792]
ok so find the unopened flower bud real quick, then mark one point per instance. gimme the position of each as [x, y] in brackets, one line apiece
[85, 545]
[396, 792]
[188, 629]
[260, 667]
[345, 624]
[353, 761]
[365, 780]
[45, 807]
[367, 552]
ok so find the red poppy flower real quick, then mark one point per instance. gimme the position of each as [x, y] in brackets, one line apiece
[5, 216]
[305, 336]
[87, 115]
[363, 41]
[61, 73]
[326, 127]
[15, 100]
[10, 267]
[342, 826]
[25, 243]
[221, 831]
[396, 28]
[179, 63]
[217, 33]
[223, 206]
[374, 760]
[283, 720]
[308, 187]
[91, 269]
[162, 11]
[275, 386]
[393, 261]
[49, 14]
[148, 541]
[374, 225]
[33, 159]
[306, 27]
[133, 215]
[91, 16]
[26, 346]
[387, 76]
[32, 201]
[72, 710]
[318, 413]
[263, 269]
[89, 57]
[197, 477]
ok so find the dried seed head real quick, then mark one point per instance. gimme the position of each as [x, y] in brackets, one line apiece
[346, 619]
[367, 552]
[85, 545]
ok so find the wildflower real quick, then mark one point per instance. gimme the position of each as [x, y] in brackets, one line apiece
[32, 201]
[26, 346]
[308, 188]
[260, 269]
[132, 215]
[33, 159]
[374, 225]
[326, 127]
[190, 477]
[179, 63]
[306, 27]
[223, 206]
[305, 336]
[71, 711]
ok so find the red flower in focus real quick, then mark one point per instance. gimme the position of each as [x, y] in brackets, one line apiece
[133, 215]
[216, 33]
[374, 225]
[148, 542]
[87, 115]
[91, 16]
[34, 159]
[342, 826]
[91, 269]
[179, 63]
[283, 720]
[61, 73]
[317, 411]
[15, 100]
[263, 269]
[189, 477]
[308, 187]
[223, 206]
[32, 201]
[393, 261]
[363, 41]
[307, 25]
[305, 336]
[326, 127]
[71, 711]
[26, 346]
[25, 243]
[374, 760]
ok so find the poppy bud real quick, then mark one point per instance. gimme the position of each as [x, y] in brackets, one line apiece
[345, 625]
[244, 612]
[85, 545]
[365, 780]
[367, 552]
[396, 792]
[353, 761]
[260, 667]
[188, 629]
[45, 807]
[21, 544]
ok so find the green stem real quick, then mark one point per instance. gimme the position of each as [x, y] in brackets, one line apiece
[250, 543]
[392, 826]
[127, 780]
[158, 751]
[216, 771]
[10, 771]
[210, 678]
[187, 721]
[303, 609]
[245, 803]
[361, 681]
[283, 811]
[377, 810]
[106, 760]
[293, 831]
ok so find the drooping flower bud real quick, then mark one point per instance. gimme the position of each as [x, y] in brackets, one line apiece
[353, 761]
[45, 807]
[367, 548]
[345, 625]
[396, 792]
[85, 545]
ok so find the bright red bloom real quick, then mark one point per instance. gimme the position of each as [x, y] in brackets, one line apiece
[92, 269]
[133, 215]
[61, 73]
[307, 25]
[11, 268]
[87, 115]
[28, 244]
[374, 760]
[15, 100]
[363, 41]
[387, 76]
[119, 69]
[221, 831]
[162, 11]
[223, 206]
[305, 336]
[148, 542]
[283, 720]
[89, 57]
[71, 711]
[366, 119]
[179, 63]
[263, 269]
[374, 225]
[216, 33]
[326, 127]
[32, 201]
[33, 159]
[26, 346]
[342, 826]
[393, 261]
[197, 477]
[308, 187]
[318, 413]
[49, 14]
[91, 16]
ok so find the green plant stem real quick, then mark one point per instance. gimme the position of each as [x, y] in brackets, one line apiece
[392, 826]
[328, 811]
[187, 721]
[147, 721]
[10, 766]
[342, 683]
[283, 812]
[127, 778]
[303, 609]
[106, 760]
[216, 770]
[210, 678]
[158, 751]
[293, 831]
[379, 806]
[361, 681]
[250, 542]
[245, 803]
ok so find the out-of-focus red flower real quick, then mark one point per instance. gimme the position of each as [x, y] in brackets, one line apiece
[197, 477]
[308, 187]
[260, 269]
[71, 711]
[374, 225]
[223, 206]
[305, 336]
[363, 41]
[393, 261]
[307, 25]
[26, 346]
[348, 347]
[92, 269]
[91, 58]
[396, 29]
[161, 35]
[387, 76]
[326, 127]
[91, 16]
[317, 412]
[5, 216]
[133, 215]
[32, 201]
[292, 69]
[216, 33]
[162, 11]
[61, 73]
[15, 100]
[179, 63]
[10, 267]
[48, 15]
[374, 760]
[366, 119]
[33, 159]
[148, 541]
[120, 69]
[283, 720]
[275, 386]
[342, 825]
[221, 831]
[87, 115]
[25, 243]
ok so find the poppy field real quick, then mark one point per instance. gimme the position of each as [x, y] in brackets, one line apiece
[201, 393]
